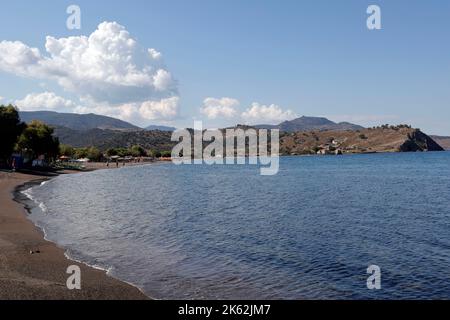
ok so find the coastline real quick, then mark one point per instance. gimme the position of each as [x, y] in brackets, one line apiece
[42, 276]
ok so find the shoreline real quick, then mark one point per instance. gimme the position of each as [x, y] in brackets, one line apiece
[42, 276]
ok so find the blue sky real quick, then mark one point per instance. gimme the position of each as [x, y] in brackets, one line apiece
[272, 60]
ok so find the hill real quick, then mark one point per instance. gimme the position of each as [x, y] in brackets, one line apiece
[310, 124]
[386, 139]
[443, 141]
[77, 121]
[104, 139]
[160, 128]
[372, 140]
[305, 135]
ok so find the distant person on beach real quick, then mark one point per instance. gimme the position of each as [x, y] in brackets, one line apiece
[117, 163]
[14, 165]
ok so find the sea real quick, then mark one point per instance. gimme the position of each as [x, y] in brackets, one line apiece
[227, 232]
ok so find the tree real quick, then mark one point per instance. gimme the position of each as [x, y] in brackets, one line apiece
[150, 153]
[66, 150]
[157, 154]
[80, 153]
[166, 154]
[10, 130]
[138, 151]
[111, 152]
[38, 139]
[123, 152]
[94, 154]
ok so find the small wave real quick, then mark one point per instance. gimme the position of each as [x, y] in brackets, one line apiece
[28, 193]
[42, 228]
[43, 207]
[108, 270]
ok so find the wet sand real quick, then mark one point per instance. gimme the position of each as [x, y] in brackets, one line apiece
[42, 276]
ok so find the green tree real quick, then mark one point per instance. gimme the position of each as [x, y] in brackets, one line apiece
[66, 150]
[80, 153]
[150, 153]
[123, 152]
[111, 152]
[166, 154]
[94, 154]
[157, 154]
[138, 151]
[38, 139]
[10, 130]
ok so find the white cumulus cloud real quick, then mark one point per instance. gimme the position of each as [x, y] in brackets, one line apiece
[45, 101]
[154, 54]
[224, 107]
[271, 114]
[106, 67]
[165, 109]
[17, 58]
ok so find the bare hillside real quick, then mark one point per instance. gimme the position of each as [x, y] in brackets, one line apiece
[387, 139]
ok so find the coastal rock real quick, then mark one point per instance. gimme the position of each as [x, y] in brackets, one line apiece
[444, 142]
[419, 141]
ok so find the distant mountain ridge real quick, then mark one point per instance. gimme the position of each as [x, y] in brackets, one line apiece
[75, 121]
[83, 122]
[305, 135]
[310, 124]
[160, 128]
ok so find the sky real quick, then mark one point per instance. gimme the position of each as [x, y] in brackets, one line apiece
[224, 62]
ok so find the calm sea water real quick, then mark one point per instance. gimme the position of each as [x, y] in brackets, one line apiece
[226, 232]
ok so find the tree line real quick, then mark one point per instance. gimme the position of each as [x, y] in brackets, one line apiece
[31, 140]
[36, 139]
[94, 154]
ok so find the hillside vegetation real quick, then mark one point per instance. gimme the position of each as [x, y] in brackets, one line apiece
[107, 139]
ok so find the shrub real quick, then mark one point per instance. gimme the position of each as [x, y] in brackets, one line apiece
[363, 136]
[166, 154]
[66, 150]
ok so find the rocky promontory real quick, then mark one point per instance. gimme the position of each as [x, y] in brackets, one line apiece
[371, 140]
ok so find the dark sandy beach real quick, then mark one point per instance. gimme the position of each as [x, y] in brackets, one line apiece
[43, 275]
